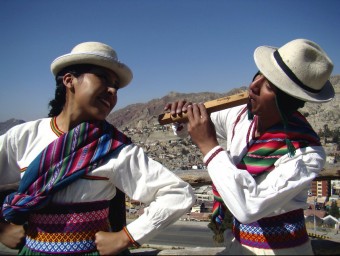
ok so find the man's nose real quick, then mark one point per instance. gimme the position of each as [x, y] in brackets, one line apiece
[256, 84]
[112, 90]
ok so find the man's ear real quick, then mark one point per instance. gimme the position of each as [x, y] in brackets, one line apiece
[68, 80]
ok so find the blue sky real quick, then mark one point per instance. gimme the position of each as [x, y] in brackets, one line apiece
[170, 45]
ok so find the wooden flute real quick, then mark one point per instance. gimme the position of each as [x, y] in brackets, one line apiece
[211, 106]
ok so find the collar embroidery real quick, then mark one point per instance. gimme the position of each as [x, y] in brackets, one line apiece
[55, 127]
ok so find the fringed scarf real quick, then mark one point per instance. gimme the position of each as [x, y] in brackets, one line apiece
[63, 161]
[261, 156]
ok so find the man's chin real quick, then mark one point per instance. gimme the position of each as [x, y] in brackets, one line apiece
[99, 117]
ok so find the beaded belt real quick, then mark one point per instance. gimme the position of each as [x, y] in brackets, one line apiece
[277, 232]
[67, 228]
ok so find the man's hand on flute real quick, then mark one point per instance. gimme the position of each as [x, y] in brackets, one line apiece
[178, 112]
[177, 108]
[200, 126]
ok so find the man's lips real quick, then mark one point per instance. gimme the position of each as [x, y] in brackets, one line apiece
[251, 96]
[105, 102]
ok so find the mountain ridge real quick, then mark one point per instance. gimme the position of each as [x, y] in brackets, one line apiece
[5, 126]
[144, 114]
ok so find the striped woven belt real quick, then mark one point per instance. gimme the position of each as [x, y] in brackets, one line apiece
[67, 228]
[277, 232]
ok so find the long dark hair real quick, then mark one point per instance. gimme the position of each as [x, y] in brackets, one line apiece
[288, 104]
[57, 104]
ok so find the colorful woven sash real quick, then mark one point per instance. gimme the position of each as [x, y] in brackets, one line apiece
[67, 228]
[262, 155]
[277, 232]
[63, 161]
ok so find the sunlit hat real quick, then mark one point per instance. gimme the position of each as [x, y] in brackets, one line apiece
[300, 68]
[94, 53]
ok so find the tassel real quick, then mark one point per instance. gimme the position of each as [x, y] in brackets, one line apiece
[250, 115]
[290, 147]
[218, 229]
[218, 236]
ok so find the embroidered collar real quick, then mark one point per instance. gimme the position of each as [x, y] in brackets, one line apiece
[55, 127]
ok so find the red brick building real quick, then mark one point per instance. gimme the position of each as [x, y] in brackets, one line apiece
[321, 188]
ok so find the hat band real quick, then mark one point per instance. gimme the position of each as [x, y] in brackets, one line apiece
[290, 73]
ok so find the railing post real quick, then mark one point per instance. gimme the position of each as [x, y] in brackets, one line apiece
[314, 215]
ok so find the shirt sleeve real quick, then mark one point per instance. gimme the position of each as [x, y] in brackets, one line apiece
[19, 146]
[9, 169]
[143, 179]
[280, 190]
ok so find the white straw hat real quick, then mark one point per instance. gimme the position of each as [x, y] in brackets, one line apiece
[94, 53]
[300, 68]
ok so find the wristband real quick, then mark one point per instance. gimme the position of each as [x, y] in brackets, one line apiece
[213, 155]
[135, 244]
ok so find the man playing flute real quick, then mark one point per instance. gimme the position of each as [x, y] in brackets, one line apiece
[272, 153]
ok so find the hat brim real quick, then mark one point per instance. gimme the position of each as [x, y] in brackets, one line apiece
[121, 70]
[268, 66]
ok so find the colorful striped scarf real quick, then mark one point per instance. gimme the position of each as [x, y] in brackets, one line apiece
[270, 146]
[71, 156]
[262, 155]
